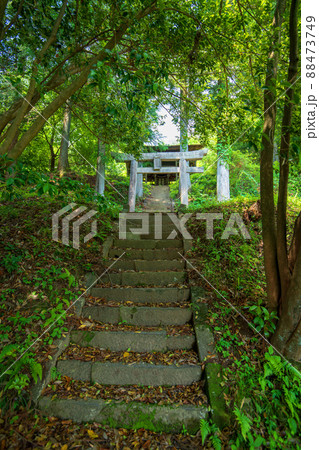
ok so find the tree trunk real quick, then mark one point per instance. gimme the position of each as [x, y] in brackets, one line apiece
[56, 80]
[287, 336]
[13, 131]
[183, 181]
[183, 121]
[100, 168]
[52, 160]
[50, 142]
[132, 188]
[288, 331]
[223, 193]
[222, 182]
[283, 269]
[37, 124]
[139, 182]
[282, 253]
[3, 5]
[65, 141]
[266, 165]
[183, 128]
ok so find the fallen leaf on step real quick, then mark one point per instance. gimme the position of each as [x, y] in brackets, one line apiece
[92, 434]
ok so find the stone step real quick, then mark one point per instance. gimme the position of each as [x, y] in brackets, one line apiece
[125, 374]
[132, 415]
[164, 234]
[140, 316]
[144, 278]
[142, 341]
[164, 219]
[137, 230]
[144, 266]
[142, 295]
[148, 243]
[147, 254]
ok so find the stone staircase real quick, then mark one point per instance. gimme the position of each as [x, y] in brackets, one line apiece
[135, 329]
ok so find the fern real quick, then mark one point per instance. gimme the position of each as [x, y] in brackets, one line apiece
[211, 430]
[276, 365]
[8, 351]
[274, 362]
[214, 438]
[204, 429]
[244, 422]
[35, 369]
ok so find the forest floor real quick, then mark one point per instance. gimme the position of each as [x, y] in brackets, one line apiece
[39, 279]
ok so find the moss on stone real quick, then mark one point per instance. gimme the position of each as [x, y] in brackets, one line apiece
[214, 390]
[135, 415]
[88, 336]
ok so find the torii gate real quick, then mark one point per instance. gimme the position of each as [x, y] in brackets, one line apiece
[136, 172]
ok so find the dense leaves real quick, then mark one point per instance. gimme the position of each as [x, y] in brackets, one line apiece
[113, 63]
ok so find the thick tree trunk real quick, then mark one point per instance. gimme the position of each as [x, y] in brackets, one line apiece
[266, 165]
[288, 332]
[283, 269]
[284, 153]
[100, 168]
[287, 336]
[65, 141]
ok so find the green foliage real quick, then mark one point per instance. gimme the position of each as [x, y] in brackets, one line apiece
[223, 62]
[209, 429]
[243, 421]
[11, 262]
[46, 279]
[14, 178]
[261, 390]
[19, 361]
[264, 392]
[263, 321]
[13, 361]
[294, 185]
[23, 182]
[243, 179]
[274, 402]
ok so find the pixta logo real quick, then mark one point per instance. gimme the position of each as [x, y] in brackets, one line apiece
[66, 221]
[235, 225]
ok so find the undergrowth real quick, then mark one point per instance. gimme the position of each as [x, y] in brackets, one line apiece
[261, 390]
[41, 278]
